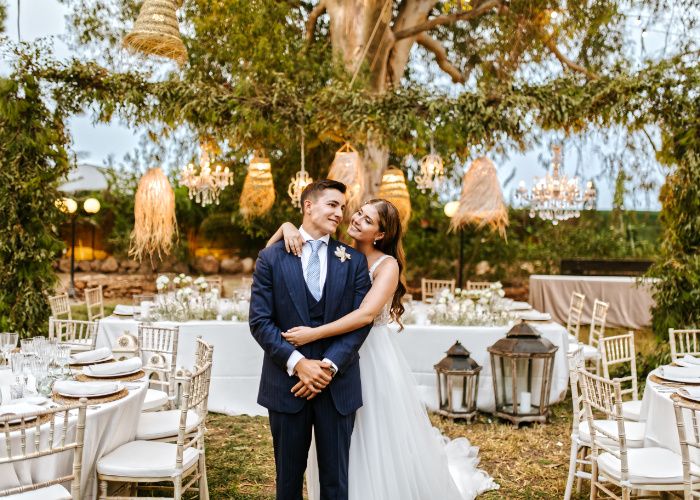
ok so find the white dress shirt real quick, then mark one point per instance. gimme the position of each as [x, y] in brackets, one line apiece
[323, 261]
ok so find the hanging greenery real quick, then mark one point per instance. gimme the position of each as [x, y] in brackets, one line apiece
[33, 159]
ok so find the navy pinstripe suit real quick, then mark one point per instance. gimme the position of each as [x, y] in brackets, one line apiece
[280, 300]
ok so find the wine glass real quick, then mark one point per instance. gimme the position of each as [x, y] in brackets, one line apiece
[8, 341]
[63, 357]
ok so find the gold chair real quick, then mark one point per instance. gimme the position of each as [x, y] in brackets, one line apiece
[216, 282]
[431, 287]
[477, 285]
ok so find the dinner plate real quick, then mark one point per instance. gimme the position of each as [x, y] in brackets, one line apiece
[119, 387]
[112, 375]
[123, 310]
[671, 378]
[687, 364]
[682, 392]
[20, 409]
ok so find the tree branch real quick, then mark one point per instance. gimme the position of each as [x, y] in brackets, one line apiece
[440, 56]
[313, 18]
[483, 8]
[565, 61]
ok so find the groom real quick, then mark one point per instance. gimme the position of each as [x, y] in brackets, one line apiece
[317, 385]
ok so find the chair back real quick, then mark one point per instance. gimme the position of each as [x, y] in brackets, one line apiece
[689, 437]
[216, 282]
[158, 350]
[573, 320]
[60, 306]
[79, 334]
[32, 446]
[619, 350]
[477, 285]
[195, 396]
[601, 395]
[430, 287]
[576, 362]
[597, 331]
[204, 352]
[95, 303]
[684, 342]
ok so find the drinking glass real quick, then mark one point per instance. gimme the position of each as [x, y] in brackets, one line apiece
[27, 346]
[63, 357]
[143, 305]
[8, 341]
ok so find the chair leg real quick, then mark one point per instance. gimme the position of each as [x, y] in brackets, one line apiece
[103, 489]
[203, 483]
[582, 455]
[626, 493]
[594, 480]
[177, 493]
[573, 455]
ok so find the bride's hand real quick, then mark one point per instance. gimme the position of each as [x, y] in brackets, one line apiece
[292, 238]
[300, 335]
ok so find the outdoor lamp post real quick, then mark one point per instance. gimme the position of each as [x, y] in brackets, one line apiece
[450, 210]
[457, 383]
[522, 365]
[69, 206]
[91, 207]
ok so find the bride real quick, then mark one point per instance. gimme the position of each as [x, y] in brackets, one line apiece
[395, 452]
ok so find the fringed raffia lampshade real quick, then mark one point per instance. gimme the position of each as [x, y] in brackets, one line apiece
[481, 202]
[394, 189]
[154, 216]
[156, 31]
[347, 168]
[258, 193]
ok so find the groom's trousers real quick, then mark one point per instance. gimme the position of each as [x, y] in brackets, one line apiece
[291, 435]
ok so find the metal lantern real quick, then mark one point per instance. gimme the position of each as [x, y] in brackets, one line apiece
[457, 383]
[300, 180]
[522, 365]
[432, 171]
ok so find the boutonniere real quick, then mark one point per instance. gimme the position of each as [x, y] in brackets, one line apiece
[342, 254]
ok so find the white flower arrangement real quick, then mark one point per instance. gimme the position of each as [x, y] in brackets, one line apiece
[162, 282]
[470, 307]
[189, 301]
[201, 284]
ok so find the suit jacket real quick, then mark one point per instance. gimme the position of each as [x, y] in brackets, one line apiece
[279, 302]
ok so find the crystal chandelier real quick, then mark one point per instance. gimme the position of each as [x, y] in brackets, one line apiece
[300, 180]
[557, 197]
[206, 185]
[432, 171]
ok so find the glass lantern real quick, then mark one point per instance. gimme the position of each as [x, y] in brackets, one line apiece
[522, 365]
[457, 383]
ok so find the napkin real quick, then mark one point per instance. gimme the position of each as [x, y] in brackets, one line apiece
[119, 368]
[679, 372]
[90, 356]
[688, 358]
[519, 306]
[79, 389]
[535, 316]
[19, 409]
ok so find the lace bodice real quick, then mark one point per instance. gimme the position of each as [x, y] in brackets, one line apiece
[384, 317]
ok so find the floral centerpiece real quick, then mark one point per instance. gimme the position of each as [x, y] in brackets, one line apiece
[471, 307]
[190, 300]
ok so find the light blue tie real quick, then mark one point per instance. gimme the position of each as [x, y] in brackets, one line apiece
[313, 271]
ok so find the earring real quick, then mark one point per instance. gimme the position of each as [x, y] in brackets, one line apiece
[375, 242]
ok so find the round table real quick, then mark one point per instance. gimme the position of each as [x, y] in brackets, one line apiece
[657, 412]
[107, 426]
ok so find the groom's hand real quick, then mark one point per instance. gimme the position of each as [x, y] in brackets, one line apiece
[313, 375]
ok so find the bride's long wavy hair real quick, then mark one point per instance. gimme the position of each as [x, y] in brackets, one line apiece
[390, 225]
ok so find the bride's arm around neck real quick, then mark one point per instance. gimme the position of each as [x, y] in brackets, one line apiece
[383, 287]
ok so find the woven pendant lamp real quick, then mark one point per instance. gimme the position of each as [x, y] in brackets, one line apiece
[481, 202]
[154, 216]
[258, 193]
[347, 168]
[394, 189]
[157, 32]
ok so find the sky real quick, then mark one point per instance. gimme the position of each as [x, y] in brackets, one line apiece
[95, 143]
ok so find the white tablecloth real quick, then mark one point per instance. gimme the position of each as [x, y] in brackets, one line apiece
[238, 358]
[106, 428]
[630, 301]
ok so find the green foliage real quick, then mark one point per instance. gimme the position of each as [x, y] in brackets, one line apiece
[33, 158]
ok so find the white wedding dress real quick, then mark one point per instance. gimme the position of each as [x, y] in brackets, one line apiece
[395, 452]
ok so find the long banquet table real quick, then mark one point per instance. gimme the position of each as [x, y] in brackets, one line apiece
[238, 358]
[630, 298]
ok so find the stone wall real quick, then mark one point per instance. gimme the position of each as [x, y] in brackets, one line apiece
[201, 265]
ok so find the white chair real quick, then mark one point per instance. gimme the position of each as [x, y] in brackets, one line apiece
[30, 448]
[477, 285]
[687, 416]
[591, 351]
[125, 347]
[579, 456]
[158, 350]
[429, 287]
[573, 320]
[204, 352]
[619, 350]
[618, 468]
[145, 462]
[79, 334]
[60, 306]
[684, 342]
[94, 301]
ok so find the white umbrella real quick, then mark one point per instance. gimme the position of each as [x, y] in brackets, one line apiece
[85, 178]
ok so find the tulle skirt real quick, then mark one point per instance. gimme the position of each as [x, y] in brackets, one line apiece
[395, 452]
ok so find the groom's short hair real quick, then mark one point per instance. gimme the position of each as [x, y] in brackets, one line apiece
[314, 189]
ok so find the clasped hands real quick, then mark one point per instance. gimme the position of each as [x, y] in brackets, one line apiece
[314, 376]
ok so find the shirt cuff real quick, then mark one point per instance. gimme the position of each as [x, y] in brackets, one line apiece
[326, 360]
[292, 362]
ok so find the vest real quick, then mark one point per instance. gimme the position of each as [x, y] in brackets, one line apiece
[316, 308]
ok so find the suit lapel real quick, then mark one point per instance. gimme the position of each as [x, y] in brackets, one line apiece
[336, 278]
[296, 285]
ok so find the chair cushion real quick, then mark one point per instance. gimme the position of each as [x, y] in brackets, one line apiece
[160, 424]
[632, 410]
[145, 459]
[651, 465]
[55, 492]
[634, 432]
[590, 352]
[154, 399]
